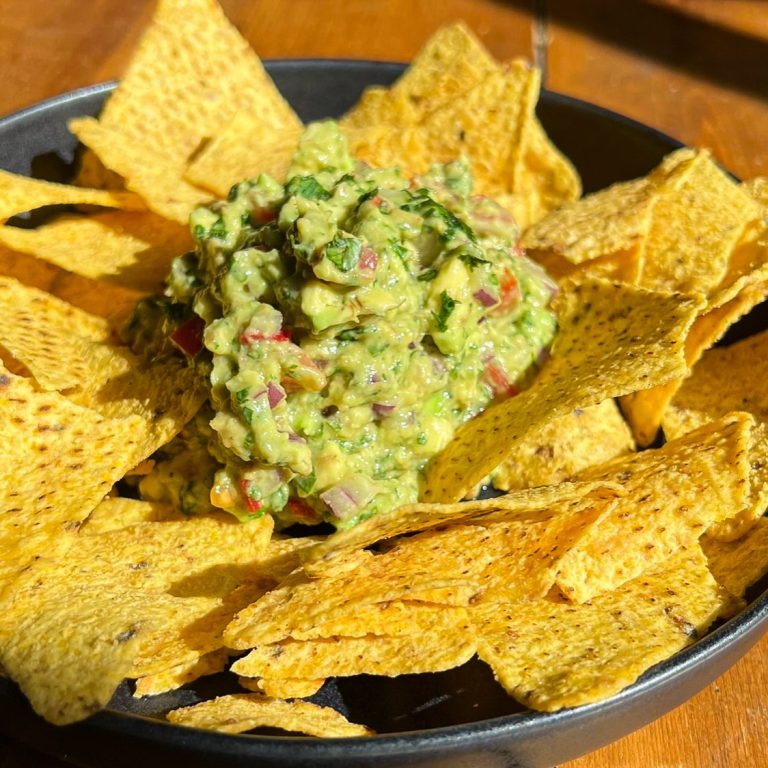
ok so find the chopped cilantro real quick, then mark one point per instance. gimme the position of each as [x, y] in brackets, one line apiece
[305, 483]
[219, 229]
[344, 252]
[472, 261]
[447, 305]
[427, 276]
[307, 186]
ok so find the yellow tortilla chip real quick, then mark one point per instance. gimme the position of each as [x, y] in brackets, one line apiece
[171, 679]
[283, 688]
[372, 655]
[695, 225]
[580, 439]
[452, 61]
[744, 286]
[592, 651]
[19, 194]
[673, 494]
[600, 352]
[191, 73]
[739, 563]
[245, 711]
[61, 460]
[106, 300]
[600, 224]
[44, 335]
[153, 176]
[131, 249]
[418, 517]
[118, 512]
[243, 150]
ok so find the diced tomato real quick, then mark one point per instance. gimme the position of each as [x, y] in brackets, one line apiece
[300, 510]
[253, 504]
[510, 292]
[377, 200]
[189, 336]
[497, 379]
[263, 216]
[369, 259]
[250, 337]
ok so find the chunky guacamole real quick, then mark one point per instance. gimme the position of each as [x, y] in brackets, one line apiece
[348, 322]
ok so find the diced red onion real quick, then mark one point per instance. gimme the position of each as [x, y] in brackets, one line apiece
[369, 259]
[382, 409]
[486, 298]
[275, 394]
[294, 438]
[340, 502]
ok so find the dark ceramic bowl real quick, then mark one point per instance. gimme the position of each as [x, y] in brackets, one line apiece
[456, 719]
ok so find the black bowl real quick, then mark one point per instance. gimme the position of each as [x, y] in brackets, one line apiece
[456, 719]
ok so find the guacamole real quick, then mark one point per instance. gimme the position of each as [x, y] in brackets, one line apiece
[348, 322]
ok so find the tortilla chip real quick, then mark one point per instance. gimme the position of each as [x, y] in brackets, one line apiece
[191, 73]
[117, 512]
[592, 651]
[452, 62]
[245, 711]
[19, 194]
[243, 150]
[153, 176]
[283, 688]
[581, 439]
[600, 352]
[673, 494]
[419, 517]
[131, 249]
[744, 285]
[106, 300]
[61, 459]
[600, 224]
[176, 677]
[739, 563]
[371, 655]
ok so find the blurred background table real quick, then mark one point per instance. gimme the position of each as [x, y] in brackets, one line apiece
[696, 69]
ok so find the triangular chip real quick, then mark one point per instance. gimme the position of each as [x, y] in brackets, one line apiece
[19, 194]
[613, 339]
[593, 651]
[244, 712]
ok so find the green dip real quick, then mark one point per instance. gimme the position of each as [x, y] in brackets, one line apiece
[351, 320]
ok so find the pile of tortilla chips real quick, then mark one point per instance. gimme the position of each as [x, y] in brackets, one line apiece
[600, 561]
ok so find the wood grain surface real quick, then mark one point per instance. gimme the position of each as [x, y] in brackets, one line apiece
[696, 69]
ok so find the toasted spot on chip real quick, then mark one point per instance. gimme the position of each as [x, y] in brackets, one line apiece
[245, 711]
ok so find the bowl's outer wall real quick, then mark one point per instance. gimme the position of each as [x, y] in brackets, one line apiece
[605, 148]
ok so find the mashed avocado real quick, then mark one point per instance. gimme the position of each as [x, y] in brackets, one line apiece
[348, 321]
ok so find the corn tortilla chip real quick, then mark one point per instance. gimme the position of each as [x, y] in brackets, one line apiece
[19, 194]
[739, 563]
[284, 687]
[242, 151]
[171, 679]
[131, 249]
[673, 494]
[155, 178]
[580, 439]
[594, 650]
[191, 73]
[372, 655]
[244, 712]
[600, 352]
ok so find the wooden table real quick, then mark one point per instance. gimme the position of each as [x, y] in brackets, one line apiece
[697, 70]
